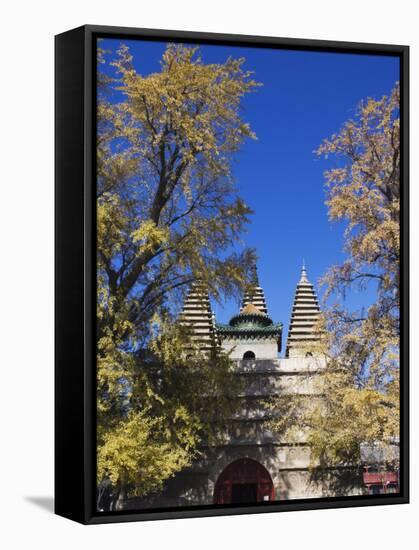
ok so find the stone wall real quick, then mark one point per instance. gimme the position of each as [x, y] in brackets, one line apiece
[265, 349]
[288, 462]
[288, 467]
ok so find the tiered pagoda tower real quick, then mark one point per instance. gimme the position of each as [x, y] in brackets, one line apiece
[254, 294]
[305, 313]
[198, 316]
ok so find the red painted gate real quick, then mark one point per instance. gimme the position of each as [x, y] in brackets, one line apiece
[244, 481]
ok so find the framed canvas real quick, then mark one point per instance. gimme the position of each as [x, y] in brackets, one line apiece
[231, 274]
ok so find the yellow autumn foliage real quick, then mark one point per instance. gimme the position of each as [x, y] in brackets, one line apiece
[357, 397]
[168, 213]
[361, 383]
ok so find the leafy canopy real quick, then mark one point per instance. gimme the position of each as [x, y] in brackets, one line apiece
[358, 395]
[167, 214]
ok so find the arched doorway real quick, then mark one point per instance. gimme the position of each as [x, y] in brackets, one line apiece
[244, 481]
[249, 355]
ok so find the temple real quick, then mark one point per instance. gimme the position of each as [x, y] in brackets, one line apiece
[254, 464]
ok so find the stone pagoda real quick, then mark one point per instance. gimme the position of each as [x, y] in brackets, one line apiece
[305, 313]
[198, 317]
[254, 293]
[254, 464]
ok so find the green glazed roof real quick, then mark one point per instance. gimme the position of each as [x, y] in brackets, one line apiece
[251, 321]
[275, 329]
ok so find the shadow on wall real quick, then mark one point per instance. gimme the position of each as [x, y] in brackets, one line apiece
[186, 488]
[339, 481]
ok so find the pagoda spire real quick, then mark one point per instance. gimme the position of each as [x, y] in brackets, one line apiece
[254, 277]
[198, 316]
[254, 293]
[304, 316]
[303, 277]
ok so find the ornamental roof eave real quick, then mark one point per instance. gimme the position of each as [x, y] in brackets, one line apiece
[272, 330]
[259, 319]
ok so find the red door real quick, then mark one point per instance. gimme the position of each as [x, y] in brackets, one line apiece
[244, 481]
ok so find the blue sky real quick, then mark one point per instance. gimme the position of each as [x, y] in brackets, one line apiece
[305, 97]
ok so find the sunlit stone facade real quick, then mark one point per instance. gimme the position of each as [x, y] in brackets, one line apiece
[254, 464]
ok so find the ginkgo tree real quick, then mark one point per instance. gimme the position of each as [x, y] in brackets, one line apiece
[358, 394]
[167, 214]
[363, 345]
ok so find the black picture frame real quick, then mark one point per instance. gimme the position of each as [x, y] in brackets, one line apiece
[75, 273]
